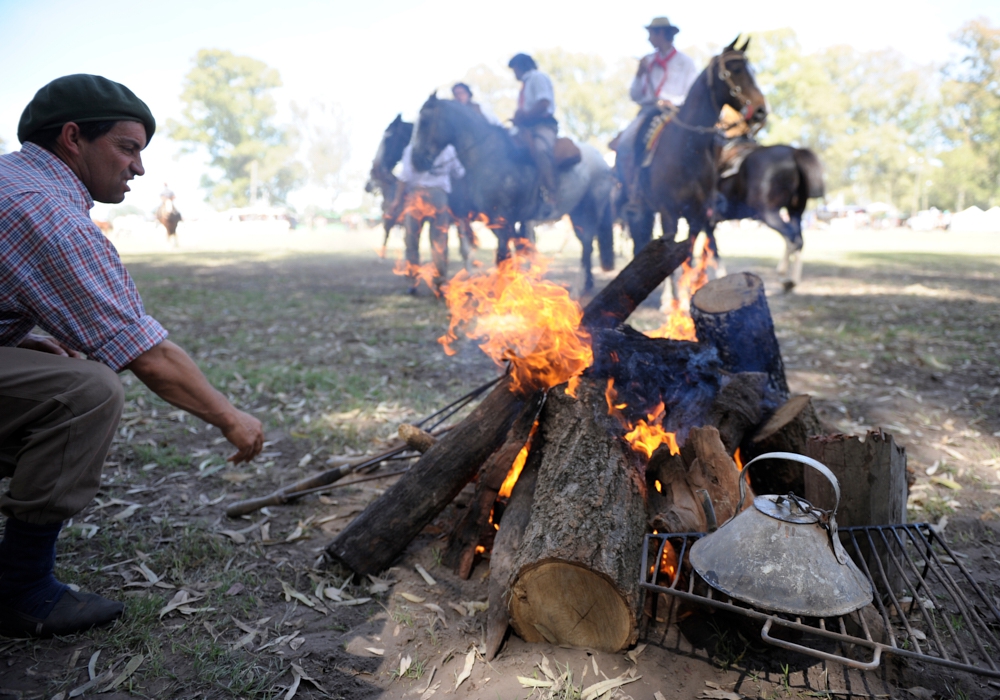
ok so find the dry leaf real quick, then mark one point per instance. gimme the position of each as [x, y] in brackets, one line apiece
[533, 683]
[470, 660]
[92, 665]
[295, 643]
[921, 693]
[424, 575]
[946, 482]
[130, 668]
[404, 665]
[461, 610]
[235, 589]
[599, 689]
[127, 512]
[377, 652]
[430, 691]
[292, 593]
[355, 601]
[181, 599]
[236, 537]
[633, 655]
[413, 598]
[545, 668]
[658, 696]
[719, 695]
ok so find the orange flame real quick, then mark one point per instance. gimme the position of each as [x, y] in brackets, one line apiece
[644, 436]
[738, 459]
[679, 324]
[515, 469]
[520, 318]
[668, 564]
[418, 207]
[426, 273]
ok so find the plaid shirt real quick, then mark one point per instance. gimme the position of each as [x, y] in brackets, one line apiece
[58, 271]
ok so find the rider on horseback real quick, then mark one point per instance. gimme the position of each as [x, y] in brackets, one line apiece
[536, 108]
[661, 84]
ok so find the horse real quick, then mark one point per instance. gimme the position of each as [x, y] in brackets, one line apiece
[771, 178]
[169, 217]
[503, 181]
[680, 180]
[389, 153]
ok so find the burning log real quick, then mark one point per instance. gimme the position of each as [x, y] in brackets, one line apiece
[383, 530]
[731, 314]
[574, 578]
[493, 476]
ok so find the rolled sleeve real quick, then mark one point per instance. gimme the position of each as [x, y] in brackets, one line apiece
[132, 341]
[80, 292]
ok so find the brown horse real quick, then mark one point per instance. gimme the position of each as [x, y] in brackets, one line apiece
[680, 180]
[168, 215]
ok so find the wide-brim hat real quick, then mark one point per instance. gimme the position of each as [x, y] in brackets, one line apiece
[662, 23]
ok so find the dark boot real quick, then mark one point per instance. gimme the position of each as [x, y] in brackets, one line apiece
[32, 602]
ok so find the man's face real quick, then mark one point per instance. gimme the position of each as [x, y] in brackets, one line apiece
[461, 95]
[659, 40]
[110, 161]
[519, 71]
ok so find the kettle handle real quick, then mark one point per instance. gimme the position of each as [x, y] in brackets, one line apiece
[801, 459]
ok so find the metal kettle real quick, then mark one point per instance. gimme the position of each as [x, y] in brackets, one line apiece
[783, 554]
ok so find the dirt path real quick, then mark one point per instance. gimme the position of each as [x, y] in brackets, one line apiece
[329, 352]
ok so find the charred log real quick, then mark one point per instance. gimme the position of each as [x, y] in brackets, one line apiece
[383, 530]
[788, 430]
[475, 520]
[731, 314]
[737, 408]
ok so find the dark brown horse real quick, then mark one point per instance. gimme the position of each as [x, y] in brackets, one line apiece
[680, 180]
[769, 179]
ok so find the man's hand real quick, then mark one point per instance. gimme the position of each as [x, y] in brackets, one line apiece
[247, 434]
[643, 66]
[174, 377]
[43, 343]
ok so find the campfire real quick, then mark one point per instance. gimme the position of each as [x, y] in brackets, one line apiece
[597, 436]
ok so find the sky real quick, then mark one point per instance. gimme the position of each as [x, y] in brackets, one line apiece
[377, 58]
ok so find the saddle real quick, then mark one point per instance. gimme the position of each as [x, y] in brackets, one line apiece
[649, 133]
[566, 154]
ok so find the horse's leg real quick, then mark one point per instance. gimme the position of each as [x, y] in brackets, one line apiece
[712, 248]
[439, 226]
[792, 233]
[671, 290]
[640, 225]
[465, 238]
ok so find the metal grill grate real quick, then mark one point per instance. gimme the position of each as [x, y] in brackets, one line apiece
[927, 606]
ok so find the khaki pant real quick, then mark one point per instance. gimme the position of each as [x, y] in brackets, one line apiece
[428, 204]
[58, 416]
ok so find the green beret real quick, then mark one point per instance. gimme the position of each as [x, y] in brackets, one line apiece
[83, 98]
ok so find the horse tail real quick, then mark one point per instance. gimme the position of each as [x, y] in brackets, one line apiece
[812, 172]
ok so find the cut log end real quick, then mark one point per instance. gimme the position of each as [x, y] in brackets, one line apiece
[729, 293]
[563, 603]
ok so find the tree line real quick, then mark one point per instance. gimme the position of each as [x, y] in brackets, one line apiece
[886, 129]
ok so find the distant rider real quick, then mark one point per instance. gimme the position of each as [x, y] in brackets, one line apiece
[463, 94]
[535, 114]
[662, 82]
[424, 197]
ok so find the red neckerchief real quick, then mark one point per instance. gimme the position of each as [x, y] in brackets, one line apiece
[662, 63]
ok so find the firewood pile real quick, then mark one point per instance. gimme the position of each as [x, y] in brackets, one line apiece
[636, 434]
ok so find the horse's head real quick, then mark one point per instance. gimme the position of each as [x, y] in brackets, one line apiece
[732, 82]
[390, 151]
[433, 133]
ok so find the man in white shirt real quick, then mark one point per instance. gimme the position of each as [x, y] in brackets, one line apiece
[666, 75]
[661, 83]
[536, 108]
[424, 196]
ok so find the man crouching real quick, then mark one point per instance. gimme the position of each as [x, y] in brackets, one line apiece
[82, 136]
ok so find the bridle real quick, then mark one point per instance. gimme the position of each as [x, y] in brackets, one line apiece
[726, 76]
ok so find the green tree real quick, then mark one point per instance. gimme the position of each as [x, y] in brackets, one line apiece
[327, 146]
[229, 112]
[971, 94]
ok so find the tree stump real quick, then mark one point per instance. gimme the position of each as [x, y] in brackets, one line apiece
[872, 476]
[787, 430]
[576, 570]
[731, 314]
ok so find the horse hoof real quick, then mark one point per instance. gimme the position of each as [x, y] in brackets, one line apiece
[412, 291]
[788, 286]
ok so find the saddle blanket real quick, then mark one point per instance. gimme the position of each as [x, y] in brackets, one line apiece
[651, 134]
